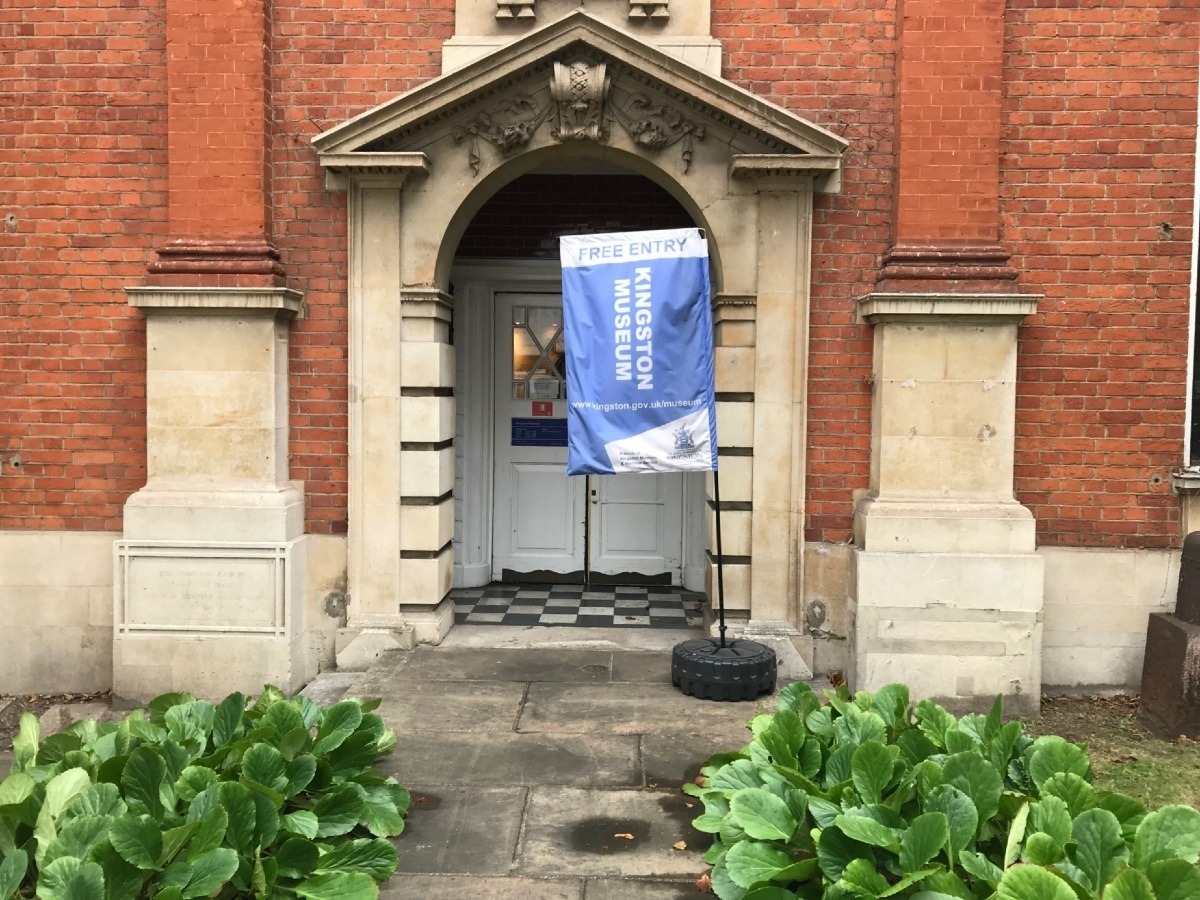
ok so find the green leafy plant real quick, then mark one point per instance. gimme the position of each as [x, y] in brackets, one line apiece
[277, 798]
[869, 797]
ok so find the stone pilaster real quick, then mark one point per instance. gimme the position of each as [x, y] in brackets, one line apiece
[948, 589]
[209, 574]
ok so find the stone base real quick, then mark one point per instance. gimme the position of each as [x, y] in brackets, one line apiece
[211, 666]
[1170, 703]
[955, 627]
[208, 617]
[358, 648]
[793, 650]
[430, 624]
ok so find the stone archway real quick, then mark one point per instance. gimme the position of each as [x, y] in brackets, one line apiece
[417, 168]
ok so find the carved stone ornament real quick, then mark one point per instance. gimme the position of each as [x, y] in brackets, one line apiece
[505, 126]
[658, 127]
[515, 9]
[649, 9]
[579, 91]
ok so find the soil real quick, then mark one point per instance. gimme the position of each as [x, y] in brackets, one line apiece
[13, 705]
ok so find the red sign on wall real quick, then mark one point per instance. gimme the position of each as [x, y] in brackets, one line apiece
[543, 407]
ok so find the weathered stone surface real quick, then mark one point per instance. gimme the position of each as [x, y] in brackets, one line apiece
[642, 667]
[670, 760]
[457, 887]
[445, 706]
[516, 759]
[58, 717]
[470, 831]
[452, 664]
[623, 709]
[1170, 702]
[575, 831]
[624, 889]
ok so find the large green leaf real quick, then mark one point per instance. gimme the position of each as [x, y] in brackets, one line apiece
[297, 858]
[1016, 834]
[300, 772]
[858, 727]
[923, 840]
[302, 822]
[1023, 882]
[16, 788]
[798, 697]
[1072, 790]
[734, 776]
[1050, 755]
[1098, 850]
[338, 723]
[210, 871]
[12, 872]
[70, 878]
[863, 879]
[338, 811]
[869, 831]
[750, 863]
[1127, 810]
[383, 809]
[227, 719]
[977, 778]
[138, 839]
[265, 765]
[835, 851]
[934, 722]
[141, 779]
[762, 815]
[1050, 815]
[374, 856]
[338, 886]
[122, 881]
[871, 769]
[1173, 831]
[157, 708]
[1041, 849]
[25, 744]
[1130, 885]
[192, 780]
[266, 820]
[240, 808]
[1172, 879]
[979, 866]
[210, 831]
[76, 837]
[961, 816]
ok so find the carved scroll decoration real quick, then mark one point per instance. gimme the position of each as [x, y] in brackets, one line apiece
[505, 126]
[515, 9]
[658, 127]
[579, 91]
[649, 9]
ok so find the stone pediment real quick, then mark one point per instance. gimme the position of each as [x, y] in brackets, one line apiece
[578, 80]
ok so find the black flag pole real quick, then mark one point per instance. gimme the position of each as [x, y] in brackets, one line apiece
[720, 556]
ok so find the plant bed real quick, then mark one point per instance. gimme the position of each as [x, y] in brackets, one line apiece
[870, 797]
[272, 798]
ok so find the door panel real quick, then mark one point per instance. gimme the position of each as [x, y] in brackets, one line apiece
[538, 511]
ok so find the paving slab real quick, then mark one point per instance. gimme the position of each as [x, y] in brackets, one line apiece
[669, 761]
[461, 831]
[61, 715]
[446, 706]
[490, 664]
[625, 709]
[626, 889]
[516, 759]
[569, 831]
[569, 636]
[328, 687]
[458, 887]
[641, 666]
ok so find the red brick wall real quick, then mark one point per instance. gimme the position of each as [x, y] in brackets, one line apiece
[332, 60]
[1098, 134]
[82, 201]
[834, 64]
[1098, 117]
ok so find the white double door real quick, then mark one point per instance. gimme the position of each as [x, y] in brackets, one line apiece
[543, 519]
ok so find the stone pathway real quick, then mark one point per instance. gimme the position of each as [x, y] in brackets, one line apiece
[526, 764]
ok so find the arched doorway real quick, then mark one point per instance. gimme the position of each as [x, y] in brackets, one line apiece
[518, 517]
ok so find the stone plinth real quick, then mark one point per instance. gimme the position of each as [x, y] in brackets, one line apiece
[1171, 673]
[947, 589]
[209, 579]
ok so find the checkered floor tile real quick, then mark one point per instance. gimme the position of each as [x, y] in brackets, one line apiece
[570, 604]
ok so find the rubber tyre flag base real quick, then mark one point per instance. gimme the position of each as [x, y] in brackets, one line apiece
[741, 670]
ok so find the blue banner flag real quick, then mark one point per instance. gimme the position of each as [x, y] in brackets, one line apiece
[637, 322]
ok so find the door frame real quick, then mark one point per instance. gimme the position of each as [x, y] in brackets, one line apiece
[474, 284]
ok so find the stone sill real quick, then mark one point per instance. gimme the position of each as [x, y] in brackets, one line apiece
[919, 307]
[216, 300]
[1186, 481]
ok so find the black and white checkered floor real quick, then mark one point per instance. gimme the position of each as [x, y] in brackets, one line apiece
[600, 606]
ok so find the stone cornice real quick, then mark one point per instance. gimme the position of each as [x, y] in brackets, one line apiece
[392, 169]
[782, 171]
[216, 301]
[918, 307]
